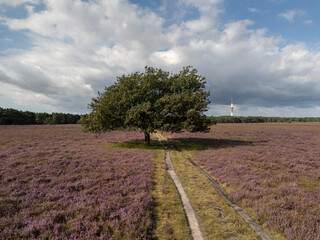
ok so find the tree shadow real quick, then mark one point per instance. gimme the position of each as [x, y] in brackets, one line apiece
[200, 144]
[136, 144]
[188, 144]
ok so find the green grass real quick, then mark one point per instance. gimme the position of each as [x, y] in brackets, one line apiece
[191, 146]
[136, 145]
[169, 219]
[310, 184]
[201, 144]
[217, 218]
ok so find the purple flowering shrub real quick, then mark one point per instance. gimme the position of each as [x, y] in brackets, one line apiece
[58, 182]
[274, 169]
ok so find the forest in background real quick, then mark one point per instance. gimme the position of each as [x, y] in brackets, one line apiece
[257, 119]
[10, 116]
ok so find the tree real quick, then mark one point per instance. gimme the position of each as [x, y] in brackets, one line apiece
[41, 117]
[150, 101]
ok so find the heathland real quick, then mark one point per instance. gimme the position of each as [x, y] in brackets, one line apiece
[271, 169]
[60, 182]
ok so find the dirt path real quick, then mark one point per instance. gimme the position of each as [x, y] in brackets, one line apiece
[190, 213]
[251, 222]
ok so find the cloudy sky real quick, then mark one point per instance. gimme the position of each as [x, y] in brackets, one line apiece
[56, 54]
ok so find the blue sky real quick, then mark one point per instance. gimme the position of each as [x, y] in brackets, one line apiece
[293, 20]
[56, 54]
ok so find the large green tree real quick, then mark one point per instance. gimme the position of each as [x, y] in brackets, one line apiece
[150, 101]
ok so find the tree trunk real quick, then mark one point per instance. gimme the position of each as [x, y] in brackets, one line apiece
[147, 138]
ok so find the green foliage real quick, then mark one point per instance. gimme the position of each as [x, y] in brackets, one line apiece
[150, 101]
[9, 116]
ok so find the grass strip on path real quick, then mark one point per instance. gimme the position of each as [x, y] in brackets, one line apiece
[169, 218]
[189, 211]
[217, 218]
[250, 221]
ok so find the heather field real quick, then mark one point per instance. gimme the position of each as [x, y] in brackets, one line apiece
[58, 182]
[272, 170]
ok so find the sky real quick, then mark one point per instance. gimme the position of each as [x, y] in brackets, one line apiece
[55, 55]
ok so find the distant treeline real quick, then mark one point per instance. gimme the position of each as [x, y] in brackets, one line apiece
[229, 119]
[9, 116]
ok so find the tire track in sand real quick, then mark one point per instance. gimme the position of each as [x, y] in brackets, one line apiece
[190, 213]
[249, 220]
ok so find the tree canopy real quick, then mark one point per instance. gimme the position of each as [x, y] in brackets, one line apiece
[150, 101]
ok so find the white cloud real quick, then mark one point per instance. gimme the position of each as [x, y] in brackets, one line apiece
[308, 22]
[250, 66]
[6, 40]
[165, 58]
[209, 14]
[80, 47]
[15, 3]
[254, 10]
[291, 14]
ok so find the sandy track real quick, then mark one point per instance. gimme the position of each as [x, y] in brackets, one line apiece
[250, 221]
[189, 211]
